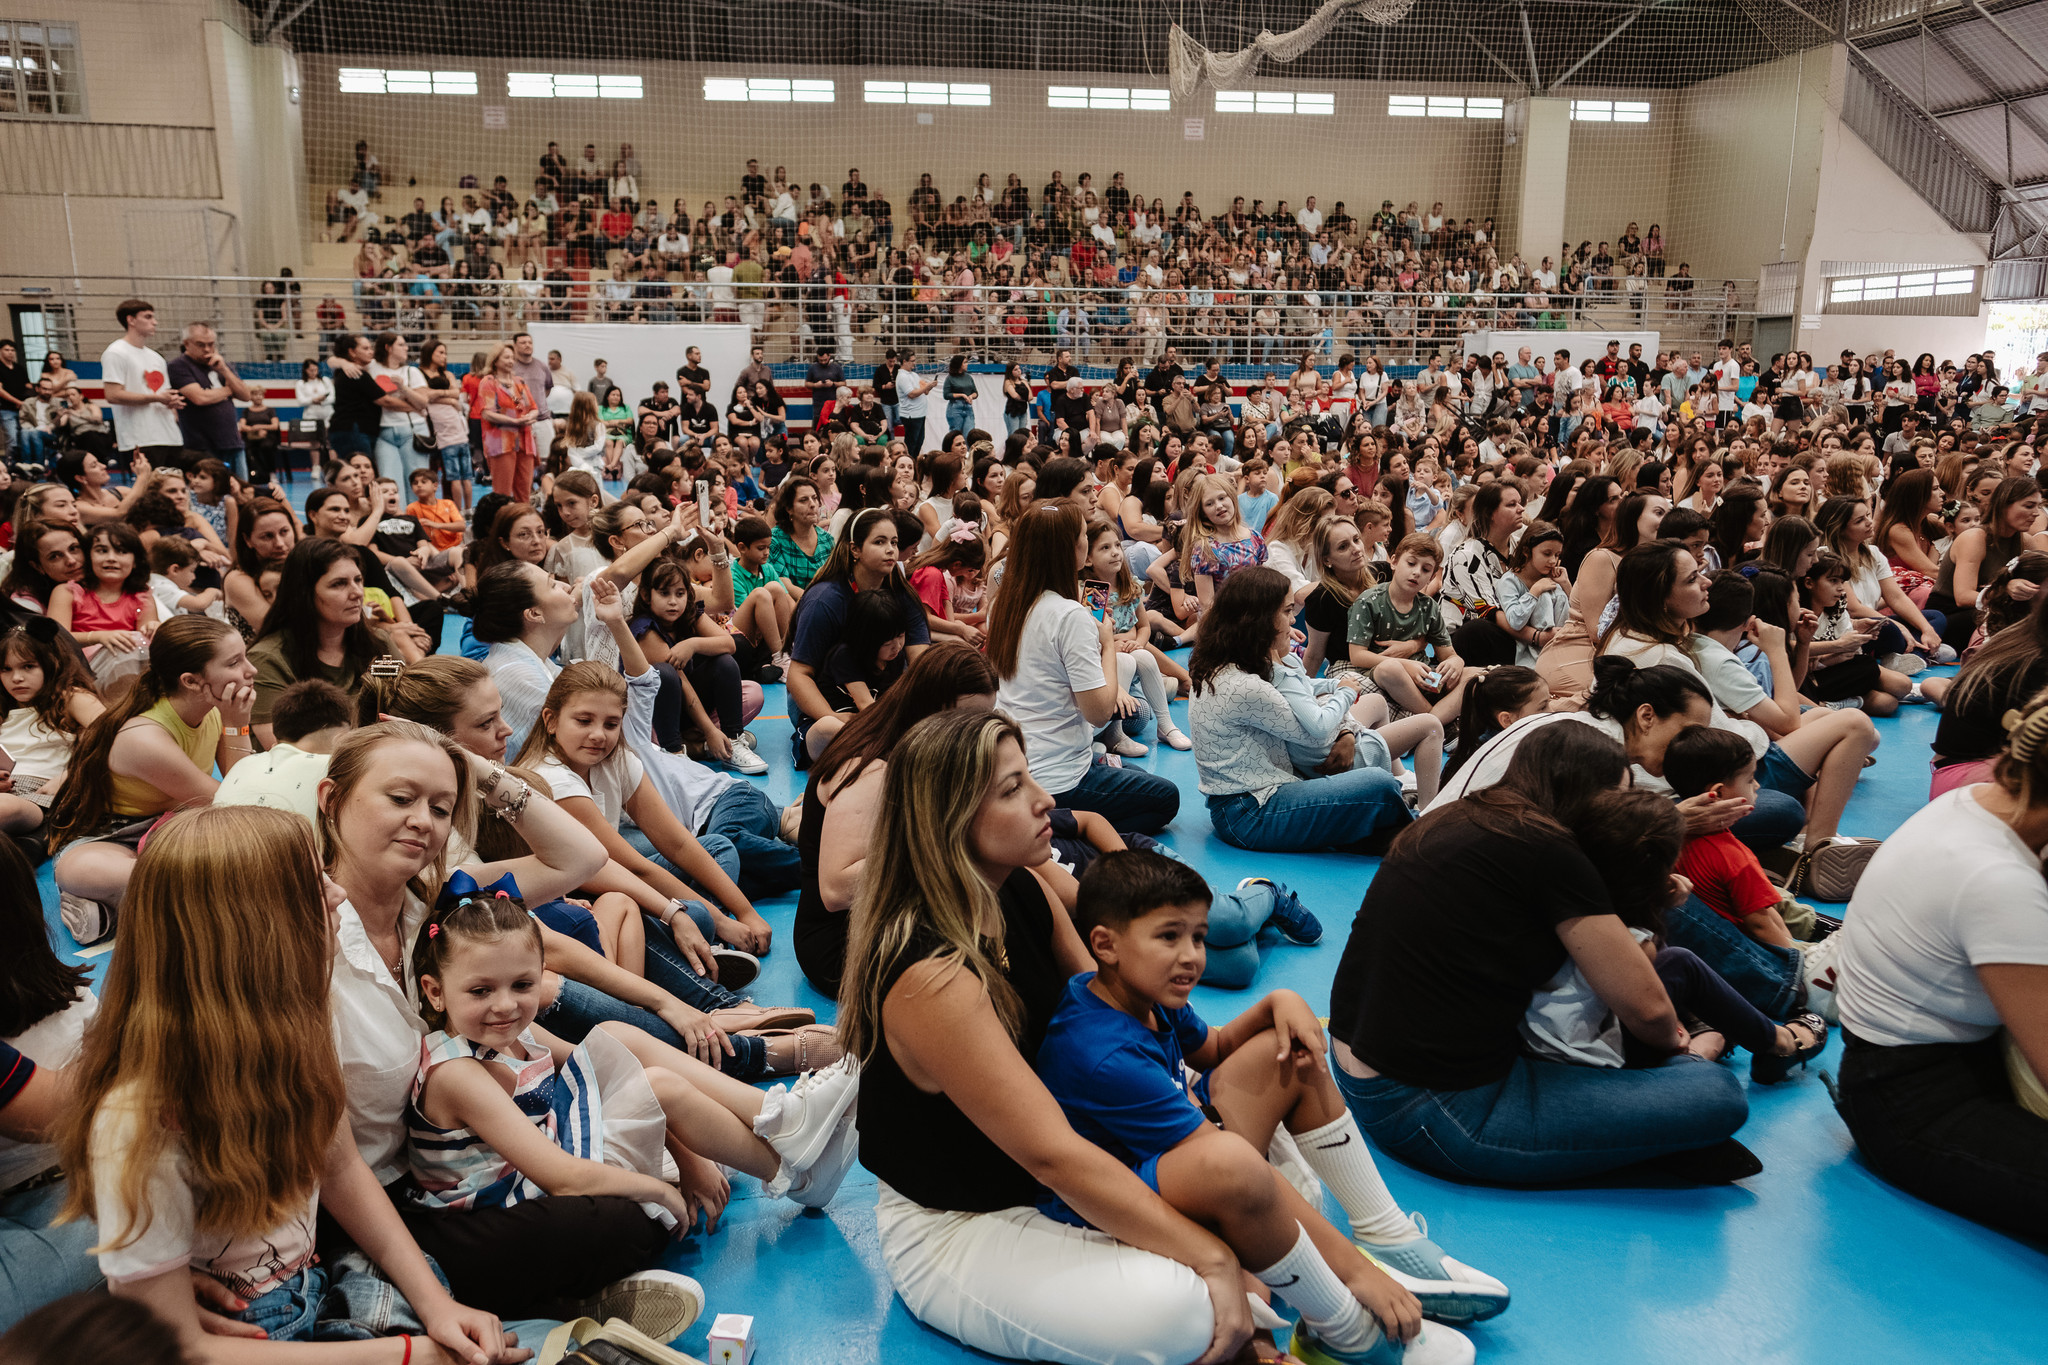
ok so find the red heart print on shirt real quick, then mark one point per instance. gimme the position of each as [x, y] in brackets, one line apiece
[154, 379]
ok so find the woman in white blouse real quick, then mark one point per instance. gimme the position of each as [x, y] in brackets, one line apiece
[1290, 540]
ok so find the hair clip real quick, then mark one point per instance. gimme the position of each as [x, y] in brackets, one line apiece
[433, 931]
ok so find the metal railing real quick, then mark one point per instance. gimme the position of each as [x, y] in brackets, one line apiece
[792, 321]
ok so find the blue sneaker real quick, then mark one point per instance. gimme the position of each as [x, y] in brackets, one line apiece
[1450, 1290]
[1294, 922]
[1433, 1345]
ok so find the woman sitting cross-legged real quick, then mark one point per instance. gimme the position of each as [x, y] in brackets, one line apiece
[958, 958]
[1246, 734]
[1942, 968]
[1426, 1011]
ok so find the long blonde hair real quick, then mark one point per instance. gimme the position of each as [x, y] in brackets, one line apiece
[583, 426]
[1198, 533]
[214, 1026]
[920, 882]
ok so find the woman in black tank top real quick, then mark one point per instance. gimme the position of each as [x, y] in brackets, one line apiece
[832, 838]
[956, 962]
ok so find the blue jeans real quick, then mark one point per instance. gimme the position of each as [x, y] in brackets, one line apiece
[10, 428]
[35, 446]
[41, 1261]
[347, 441]
[1547, 1121]
[1129, 798]
[1321, 812]
[580, 1008]
[717, 845]
[394, 456]
[1132, 725]
[1894, 638]
[289, 1312]
[959, 415]
[1775, 819]
[748, 821]
[457, 464]
[1764, 974]
[1235, 918]
[1013, 422]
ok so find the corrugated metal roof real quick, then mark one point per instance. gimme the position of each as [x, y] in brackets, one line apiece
[1967, 72]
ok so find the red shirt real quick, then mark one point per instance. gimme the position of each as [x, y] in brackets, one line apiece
[1727, 876]
[617, 224]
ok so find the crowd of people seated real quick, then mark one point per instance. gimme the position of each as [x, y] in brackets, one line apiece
[428, 839]
[999, 270]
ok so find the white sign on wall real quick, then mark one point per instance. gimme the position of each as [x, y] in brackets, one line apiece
[495, 117]
[1191, 129]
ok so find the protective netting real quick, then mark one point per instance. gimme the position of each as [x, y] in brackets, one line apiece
[1189, 64]
[1124, 177]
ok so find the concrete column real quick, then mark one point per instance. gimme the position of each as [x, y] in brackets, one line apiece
[1535, 160]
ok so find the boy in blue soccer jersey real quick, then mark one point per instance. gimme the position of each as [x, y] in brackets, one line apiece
[1117, 1055]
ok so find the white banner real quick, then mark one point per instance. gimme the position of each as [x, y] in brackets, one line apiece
[637, 354]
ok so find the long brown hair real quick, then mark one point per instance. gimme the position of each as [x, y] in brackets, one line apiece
[935, 681]
[921, 880]
[1642, 586]
[181, 645]
[63, 676]
[213, 1026]
[1041, 560]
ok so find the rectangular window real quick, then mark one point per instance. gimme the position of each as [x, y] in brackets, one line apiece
[1275, 102]
[1889, 288]
[923, 92]
[40, 73]
[1610, 111]
[542, 85]
[768, 90]
[1098, 97]
[1440, 106]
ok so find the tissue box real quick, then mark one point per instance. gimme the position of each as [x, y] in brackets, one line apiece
[732, 1339]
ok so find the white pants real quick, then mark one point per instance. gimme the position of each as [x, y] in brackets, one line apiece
[1019, 1285]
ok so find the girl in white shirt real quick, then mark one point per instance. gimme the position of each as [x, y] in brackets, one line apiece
[224, 1173]
[46, 699]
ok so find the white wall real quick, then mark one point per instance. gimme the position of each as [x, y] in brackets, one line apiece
[1864, 212]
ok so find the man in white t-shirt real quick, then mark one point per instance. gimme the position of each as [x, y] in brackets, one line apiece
[1727, 378]
[403, 403]
[1310, 217]
[138, 387]
[1545, 277]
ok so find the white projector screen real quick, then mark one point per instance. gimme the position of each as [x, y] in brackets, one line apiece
[637, 354]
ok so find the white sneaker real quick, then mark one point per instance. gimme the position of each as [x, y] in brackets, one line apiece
[1908, 664]
[656, 1303]
[88, 921]
[781, 660]
[745, 760]
[1945, 655]
[815, 1187]
[746, 737]
[800, 1120]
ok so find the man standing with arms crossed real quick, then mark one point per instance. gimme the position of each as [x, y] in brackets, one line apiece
[539, 379]
[911, 388]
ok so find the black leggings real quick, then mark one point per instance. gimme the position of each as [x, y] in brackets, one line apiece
[1962, 621]
[716, 679]
[1481, 643]
[1700, 992]
[1939, 1121]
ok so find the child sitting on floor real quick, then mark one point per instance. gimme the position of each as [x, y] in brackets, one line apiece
[1633, 838]
[1395, 627]
[1115, 1057]
[1723, 871]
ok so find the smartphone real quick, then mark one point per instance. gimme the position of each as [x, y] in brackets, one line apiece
[1097, 595]
[6, 761]
[704, 503]
[1433, 680]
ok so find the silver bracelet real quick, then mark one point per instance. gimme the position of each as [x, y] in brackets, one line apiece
[508, 807]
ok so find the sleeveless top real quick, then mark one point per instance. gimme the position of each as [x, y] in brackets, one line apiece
[820, 934]
[922, 1145]
[89, 611]
[455, 1168]
[1997, 551]
[135, 798]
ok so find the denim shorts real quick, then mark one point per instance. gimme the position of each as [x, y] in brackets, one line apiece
[456, 465]
[1777, 771]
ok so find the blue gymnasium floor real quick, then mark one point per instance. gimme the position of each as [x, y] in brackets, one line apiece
[1814, 1261]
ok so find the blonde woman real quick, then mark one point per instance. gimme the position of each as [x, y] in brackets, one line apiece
[1290, 540]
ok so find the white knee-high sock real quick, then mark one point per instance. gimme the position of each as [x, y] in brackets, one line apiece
[1153, 686]
[1337, 1153]
[1325, 1303]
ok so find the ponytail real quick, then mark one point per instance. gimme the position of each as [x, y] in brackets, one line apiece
[1619, 687]
[182, 645]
